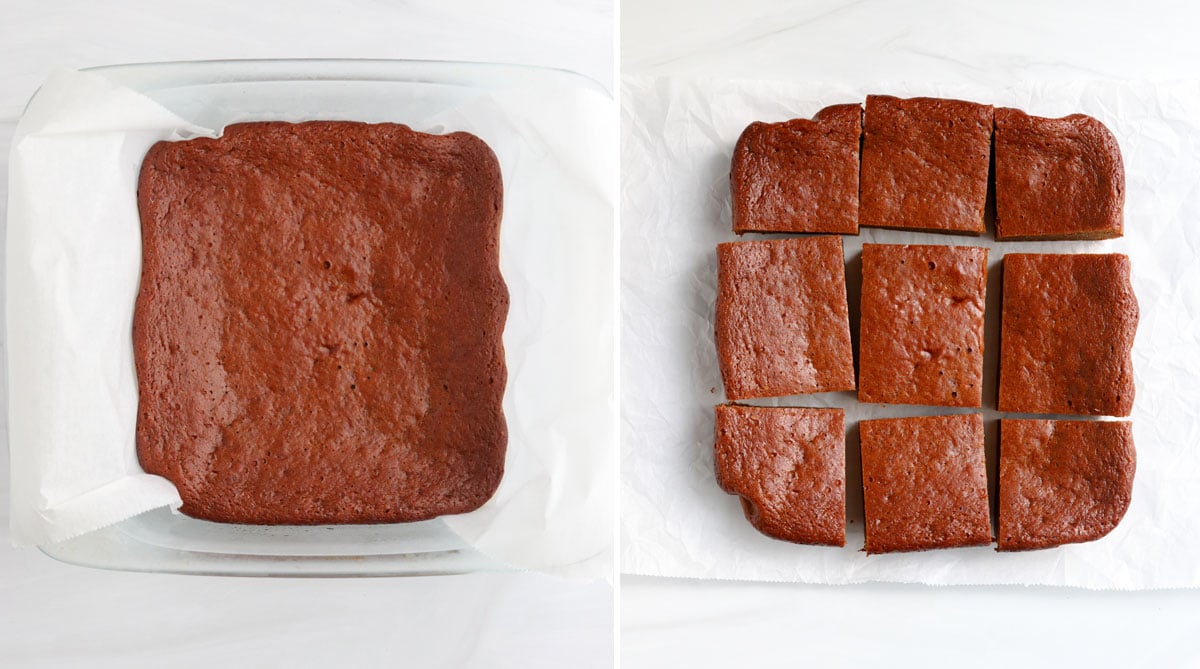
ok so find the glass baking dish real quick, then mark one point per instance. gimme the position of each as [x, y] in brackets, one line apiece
[214, 94]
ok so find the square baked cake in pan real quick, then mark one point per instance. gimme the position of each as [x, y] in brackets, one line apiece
[318, 329]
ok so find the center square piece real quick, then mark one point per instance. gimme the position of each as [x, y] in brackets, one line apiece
[921, 336]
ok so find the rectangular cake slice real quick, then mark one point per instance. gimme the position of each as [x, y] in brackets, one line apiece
[782, 322]
[921, 336]
[800, 175]
[788, 466]
[318, 328]
[1066, 334]
[925, 164]
[924, 483]
[1057, 178]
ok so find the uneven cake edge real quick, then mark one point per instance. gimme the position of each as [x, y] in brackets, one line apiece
[1004, 545]
[833, 537]
[1099, 131]
[743, 223]
[972, 232]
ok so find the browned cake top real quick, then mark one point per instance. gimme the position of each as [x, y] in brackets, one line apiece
[921, 337]
[1062, 481]
[318, 329]
[925, 164]
[1067, 329]
[924, 483]
[788, 465]
[1057, 178]
[782, 324]
[800, 175]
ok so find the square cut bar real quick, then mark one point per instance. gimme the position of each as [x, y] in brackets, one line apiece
[788, 466]
[1057, 178]
[921, 336]
[1066, 334]
[318, 328]
[924, 483]
[799, 175]
[1063, 481]
[782, 324]
[925, 164]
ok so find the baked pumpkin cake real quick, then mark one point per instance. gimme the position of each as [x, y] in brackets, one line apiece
[799, 175]
[924, 483]
[318, 329]
[1057, 178]
[788, 466]
[1063, 481]
[921, 333]
[925, 164]
[1066, 334]
[782, 322]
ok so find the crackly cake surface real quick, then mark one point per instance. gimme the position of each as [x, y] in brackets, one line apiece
[1066, 334]
[318, 329]
[924, 483]
[921, 334]
[1063, 481]
[925, 164]
[788, 466]
[1057, 178]
[782, 323]
[799, 175]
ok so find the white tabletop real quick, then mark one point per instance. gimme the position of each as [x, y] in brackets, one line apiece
[52, 614]
[680, 623]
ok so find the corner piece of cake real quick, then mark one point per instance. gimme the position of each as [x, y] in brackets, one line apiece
[788, 466]
[782, 323]
[924, 483]
[921, 334]
[1066, 334]
[1057, 178]
[799, 175]
[318, 329]
[925, 164]
[1063, 481]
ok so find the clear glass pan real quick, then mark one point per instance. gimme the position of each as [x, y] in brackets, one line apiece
[214, 94]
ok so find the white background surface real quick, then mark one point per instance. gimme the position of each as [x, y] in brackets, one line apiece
[707, 624]
[58, 615]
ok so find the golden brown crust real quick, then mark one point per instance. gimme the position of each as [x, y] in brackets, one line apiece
[924, 483]
[788, 466]
[1057, 178]
[799, 175]
[1066, 334]
[1063, 481]
[782, 323]
[925, 164]
[318, 328]
[921, 336]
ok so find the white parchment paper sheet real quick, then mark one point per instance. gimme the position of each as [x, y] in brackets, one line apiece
[74, 251]
[677, 138]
